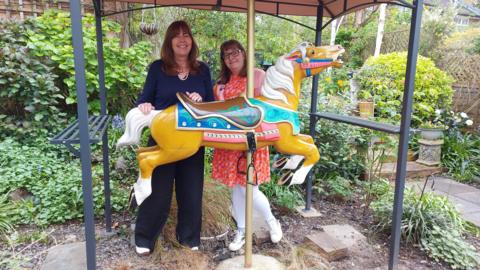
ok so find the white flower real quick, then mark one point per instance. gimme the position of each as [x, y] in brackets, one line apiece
[463, 115]
[469, 122]
[438, 111]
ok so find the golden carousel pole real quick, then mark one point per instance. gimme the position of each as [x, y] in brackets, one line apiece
[250, 85]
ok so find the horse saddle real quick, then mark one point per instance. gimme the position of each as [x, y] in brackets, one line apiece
[237, 111]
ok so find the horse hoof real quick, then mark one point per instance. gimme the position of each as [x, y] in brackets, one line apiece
[285, 178]
[293, 162]
[279, 163]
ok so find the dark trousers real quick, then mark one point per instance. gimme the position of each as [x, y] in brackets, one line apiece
[187, 175]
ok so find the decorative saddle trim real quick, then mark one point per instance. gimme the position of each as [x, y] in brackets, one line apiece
[238, 111]
[276, 114]
[266, 132]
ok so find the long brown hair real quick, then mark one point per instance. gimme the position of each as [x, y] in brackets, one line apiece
[167, 54]
[225, 72]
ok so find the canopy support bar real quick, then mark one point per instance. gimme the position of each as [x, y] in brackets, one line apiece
[313, 106]
[103, 111]
[85, 154]
[404, 133]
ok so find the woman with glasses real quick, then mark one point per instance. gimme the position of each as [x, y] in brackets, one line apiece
[178, 70]
[229, 166]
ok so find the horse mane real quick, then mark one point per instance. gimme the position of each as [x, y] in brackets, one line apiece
[279, 76]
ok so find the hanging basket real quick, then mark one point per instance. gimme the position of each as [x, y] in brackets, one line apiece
[149, 28]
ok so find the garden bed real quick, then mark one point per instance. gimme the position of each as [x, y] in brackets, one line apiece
[116, 252]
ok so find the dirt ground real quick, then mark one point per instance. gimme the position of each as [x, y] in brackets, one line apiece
[116, 251]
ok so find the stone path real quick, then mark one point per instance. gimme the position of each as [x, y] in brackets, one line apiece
[466, 198]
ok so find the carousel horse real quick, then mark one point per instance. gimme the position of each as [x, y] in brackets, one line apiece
[180, 130]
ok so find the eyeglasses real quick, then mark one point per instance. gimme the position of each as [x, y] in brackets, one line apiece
[234, 53]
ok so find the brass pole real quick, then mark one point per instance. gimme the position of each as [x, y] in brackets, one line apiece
[249, 193]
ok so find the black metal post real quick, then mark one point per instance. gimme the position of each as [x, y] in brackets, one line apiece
[103, 111]
[313, 105]
[404, 132]
[77, 39]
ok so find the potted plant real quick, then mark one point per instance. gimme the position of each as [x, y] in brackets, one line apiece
[431, 130]
[366, 105]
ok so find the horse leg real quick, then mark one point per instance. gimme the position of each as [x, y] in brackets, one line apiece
[149, 161]
[299, 145]
[294, 160]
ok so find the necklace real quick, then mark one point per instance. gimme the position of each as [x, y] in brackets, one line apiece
[183, 74]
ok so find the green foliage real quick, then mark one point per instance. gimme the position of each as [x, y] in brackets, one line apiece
[434, 223]
[335, 188]
[284, 196]
[7, 212]
[476, 46]
[27, 91]
[54, 182]
[334, 141]
[384, 77]
[437, 25]
[376, 188]
[420, 214]
[335, 82]
[125, 69]
[461, 155]
[449, 246]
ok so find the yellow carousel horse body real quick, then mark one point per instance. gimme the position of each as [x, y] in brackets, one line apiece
[281, 89]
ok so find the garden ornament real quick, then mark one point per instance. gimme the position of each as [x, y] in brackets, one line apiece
[180, 130]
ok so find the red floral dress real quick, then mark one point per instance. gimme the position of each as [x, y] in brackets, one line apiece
[229, 166]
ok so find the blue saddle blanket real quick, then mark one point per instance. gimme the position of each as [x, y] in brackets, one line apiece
[272, 114]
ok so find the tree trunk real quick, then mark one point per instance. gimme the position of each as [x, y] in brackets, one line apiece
[359, 17]
[381, 28]
[123, 20]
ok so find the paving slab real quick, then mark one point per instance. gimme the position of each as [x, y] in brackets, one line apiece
[327, 246]
[473, 197]
[68, 256]
[473, 217]
[261, 231]
[307, 214]
[344, 233]
[450, 186]
[463, 206]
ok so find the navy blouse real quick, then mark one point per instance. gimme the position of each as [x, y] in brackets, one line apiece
[160, 89]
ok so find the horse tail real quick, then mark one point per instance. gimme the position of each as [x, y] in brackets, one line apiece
[135, 122]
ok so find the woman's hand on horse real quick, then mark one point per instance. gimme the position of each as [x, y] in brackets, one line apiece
[146, 107]
[194, 96]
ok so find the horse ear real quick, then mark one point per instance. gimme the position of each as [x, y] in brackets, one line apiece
[294, 55]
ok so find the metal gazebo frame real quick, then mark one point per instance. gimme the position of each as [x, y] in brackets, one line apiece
[333, 8]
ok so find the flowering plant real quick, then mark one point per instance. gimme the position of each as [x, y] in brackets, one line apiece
[452, 120]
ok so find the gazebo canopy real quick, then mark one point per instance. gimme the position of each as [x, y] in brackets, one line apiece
[332, 8]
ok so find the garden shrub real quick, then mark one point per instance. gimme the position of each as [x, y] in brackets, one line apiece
[27, 87]
[125, 69]
[461, 155]
[335, 188]
[383, 79]
[431, 221]
[54, 182]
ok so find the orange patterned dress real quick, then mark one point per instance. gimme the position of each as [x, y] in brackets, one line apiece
[229, 166]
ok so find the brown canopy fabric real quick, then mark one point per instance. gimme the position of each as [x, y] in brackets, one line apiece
[332, 8]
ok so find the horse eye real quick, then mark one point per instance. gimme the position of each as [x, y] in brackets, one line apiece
[312, 52]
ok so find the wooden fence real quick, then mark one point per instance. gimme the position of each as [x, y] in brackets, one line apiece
[20, 9]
